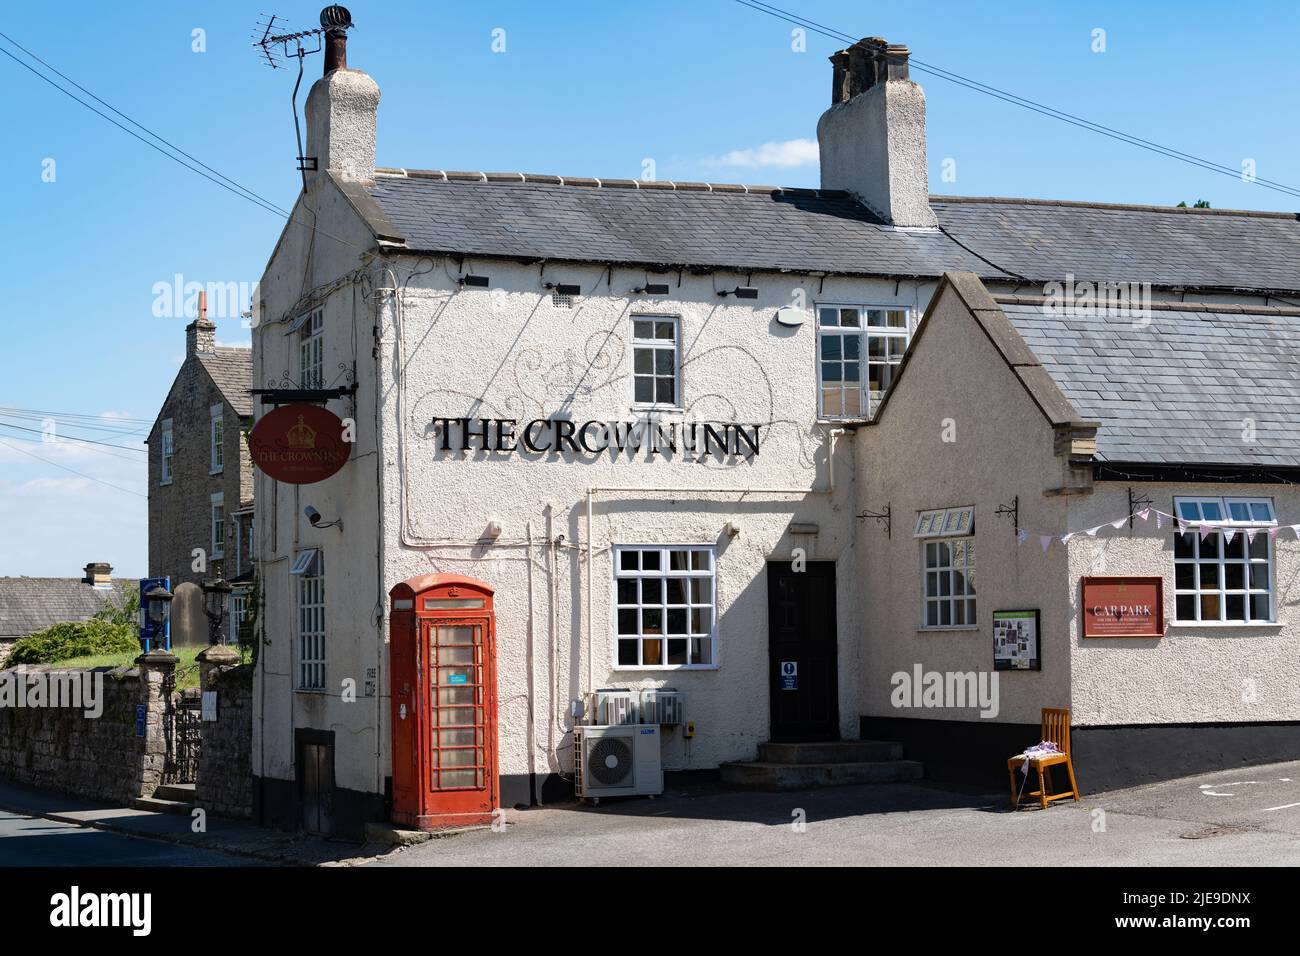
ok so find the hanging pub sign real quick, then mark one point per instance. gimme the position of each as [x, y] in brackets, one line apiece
[1123, 607]
[299, 444]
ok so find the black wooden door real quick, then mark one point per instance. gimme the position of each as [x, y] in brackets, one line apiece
[802, 666]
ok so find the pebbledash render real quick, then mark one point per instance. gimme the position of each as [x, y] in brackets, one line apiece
[584, 392]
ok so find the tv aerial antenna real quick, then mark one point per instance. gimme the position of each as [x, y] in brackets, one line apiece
[278, 44]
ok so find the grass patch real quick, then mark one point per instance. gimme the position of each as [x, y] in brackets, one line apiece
[187, 671]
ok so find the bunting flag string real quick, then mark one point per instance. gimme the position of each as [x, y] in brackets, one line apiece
[1201, 528]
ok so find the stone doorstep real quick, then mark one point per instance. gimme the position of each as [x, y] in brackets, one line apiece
[158, 805]
[178, 792]
[835, 751]
[760, 775]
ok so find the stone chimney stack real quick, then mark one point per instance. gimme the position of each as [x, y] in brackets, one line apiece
[872, 139]
[201, 335]
[341, 109]
[98, 574]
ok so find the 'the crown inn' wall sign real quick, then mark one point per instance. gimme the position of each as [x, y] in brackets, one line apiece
[561, 436]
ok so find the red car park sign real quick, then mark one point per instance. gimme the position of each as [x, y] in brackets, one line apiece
[1123, 607]
[299, 444]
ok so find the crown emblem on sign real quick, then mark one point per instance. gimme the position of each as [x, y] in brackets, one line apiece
[301, 435]
[454, 592]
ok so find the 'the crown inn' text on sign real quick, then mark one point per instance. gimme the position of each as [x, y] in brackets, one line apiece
[562, 436]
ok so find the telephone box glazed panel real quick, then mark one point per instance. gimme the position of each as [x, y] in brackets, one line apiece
[442, 650]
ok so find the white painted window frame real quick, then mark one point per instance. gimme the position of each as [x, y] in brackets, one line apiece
[309, 568]
[217, 524]
[655, 346]
[167, 451]
[216, 438]
[1220, 560]
[948, 570]
[664, 574]
[863, 333]
[311, 349]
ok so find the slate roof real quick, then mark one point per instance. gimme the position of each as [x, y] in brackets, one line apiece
[1209, 249]
[232, 371]
[28, 605]
[703, 225]
[780, 230]
[1181, 390]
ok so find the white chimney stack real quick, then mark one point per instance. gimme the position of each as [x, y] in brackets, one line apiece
[872, 139]
[341, 108]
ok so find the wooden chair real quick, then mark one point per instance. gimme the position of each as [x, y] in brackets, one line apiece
[1056, 728]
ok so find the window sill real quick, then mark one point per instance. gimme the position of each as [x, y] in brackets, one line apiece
[164, 483]
[666, 667]
[312, 691]
[216, 471]
[955, 627]
[1222, 625]
[640, 407]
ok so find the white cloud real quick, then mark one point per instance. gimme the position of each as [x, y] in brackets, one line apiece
[55, 484]
[791, 152]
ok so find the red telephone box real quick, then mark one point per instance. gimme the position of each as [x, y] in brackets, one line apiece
[442, 654]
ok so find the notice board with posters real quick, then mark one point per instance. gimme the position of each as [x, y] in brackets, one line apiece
[1123, 607]
[1015, 641]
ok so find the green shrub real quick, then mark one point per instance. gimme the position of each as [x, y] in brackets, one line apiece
[74, 639]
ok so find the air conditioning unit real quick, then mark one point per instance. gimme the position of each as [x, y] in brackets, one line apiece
[619, 761]
[662, 705]
[615, 706]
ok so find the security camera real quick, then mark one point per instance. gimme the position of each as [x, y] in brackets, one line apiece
[314, 517]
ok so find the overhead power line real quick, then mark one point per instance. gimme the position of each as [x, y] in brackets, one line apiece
[249, 193]
[1026, 103]
[215, 177]
[87, 441]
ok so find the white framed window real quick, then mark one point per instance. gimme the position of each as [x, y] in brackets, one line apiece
[217, 436]
[238, 612]
[311, 350]
[168, 451]
[309, 567]
[656, 361]
[947, 537]
[665, 606]
[945, 522]
[1225, 575]
[218, 512]
[859, 349]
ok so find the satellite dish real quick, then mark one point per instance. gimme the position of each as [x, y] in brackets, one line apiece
[789, 315]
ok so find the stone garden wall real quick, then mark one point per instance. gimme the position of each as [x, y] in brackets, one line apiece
[224, 781]
[50, 736]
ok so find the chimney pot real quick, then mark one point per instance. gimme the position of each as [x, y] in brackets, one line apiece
[336, 21]
[98, 574]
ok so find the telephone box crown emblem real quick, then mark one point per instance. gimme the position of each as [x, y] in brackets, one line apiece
[301, 435]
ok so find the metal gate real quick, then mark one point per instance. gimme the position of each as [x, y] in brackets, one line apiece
[181, 733]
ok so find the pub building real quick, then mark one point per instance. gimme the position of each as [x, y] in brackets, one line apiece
[735, 463]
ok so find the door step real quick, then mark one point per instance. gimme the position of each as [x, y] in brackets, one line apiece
[802, 766]
[177, 792]
[161, 806]
[835, 751]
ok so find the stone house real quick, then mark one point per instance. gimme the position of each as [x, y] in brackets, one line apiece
[201, 479]
[28, 605]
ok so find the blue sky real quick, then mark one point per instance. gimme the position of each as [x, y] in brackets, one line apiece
[582, 88]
